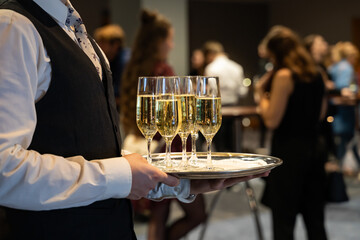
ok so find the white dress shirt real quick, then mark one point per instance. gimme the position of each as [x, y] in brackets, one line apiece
[231, 76]
[28, 179]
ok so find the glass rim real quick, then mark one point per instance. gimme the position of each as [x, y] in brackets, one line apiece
[147, 77]
[210, 77]
[174, 76]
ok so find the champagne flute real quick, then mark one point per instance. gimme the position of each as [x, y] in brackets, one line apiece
[208, 110]
[145, 110]
[168, 112]
[188, 109]
[194, 134]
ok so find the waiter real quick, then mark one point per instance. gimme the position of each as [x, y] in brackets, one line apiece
[62, 175]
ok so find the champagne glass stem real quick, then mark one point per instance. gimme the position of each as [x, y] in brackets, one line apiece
[194, 136]
[168, 156]
[209, 161]
[149, 150]
[184, 158]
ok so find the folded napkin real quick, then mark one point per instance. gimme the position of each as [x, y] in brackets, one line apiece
[237, 163]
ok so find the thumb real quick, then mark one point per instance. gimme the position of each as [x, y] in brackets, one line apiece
[170, 180]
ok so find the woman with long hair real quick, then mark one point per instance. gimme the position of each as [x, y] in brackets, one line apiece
[291, 103]
[150, 51]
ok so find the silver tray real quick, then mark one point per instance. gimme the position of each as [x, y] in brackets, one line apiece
[225, 165]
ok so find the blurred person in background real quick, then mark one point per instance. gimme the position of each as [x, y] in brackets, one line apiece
[197, 63]
[264, 64]
[231, 76]
[230, 73]
[291, 103]
[111, 39]
[344, 57]
[150, 51]
[319, 51]
[265, 68]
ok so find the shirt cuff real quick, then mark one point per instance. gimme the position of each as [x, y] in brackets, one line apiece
[181, 192]
[118, 177]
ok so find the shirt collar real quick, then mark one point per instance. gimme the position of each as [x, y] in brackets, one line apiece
[55, 8]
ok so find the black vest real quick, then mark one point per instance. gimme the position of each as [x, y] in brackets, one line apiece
[77, 116]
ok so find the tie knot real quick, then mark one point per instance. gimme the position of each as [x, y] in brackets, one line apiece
[73, 18]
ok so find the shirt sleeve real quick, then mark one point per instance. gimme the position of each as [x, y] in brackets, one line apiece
[29, 180]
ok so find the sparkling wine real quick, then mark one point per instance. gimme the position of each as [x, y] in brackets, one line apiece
[188, 108]
[208, 115]
[145, 115]
[168, 116]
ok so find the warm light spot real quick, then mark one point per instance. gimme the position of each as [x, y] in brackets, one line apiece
[353, 87]
[330, 119]
[247, 82]
[246, 122]
[269, 66]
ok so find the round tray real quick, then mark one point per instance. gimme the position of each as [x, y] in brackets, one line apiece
[225, 165]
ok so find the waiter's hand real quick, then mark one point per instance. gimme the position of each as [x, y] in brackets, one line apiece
[145, 177]
[208, 185]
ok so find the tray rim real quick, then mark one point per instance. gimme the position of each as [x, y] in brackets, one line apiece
[232, 173]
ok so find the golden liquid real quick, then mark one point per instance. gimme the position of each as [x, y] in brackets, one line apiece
[208, 115]
[145, 115]
[168, 116]
[188, 110]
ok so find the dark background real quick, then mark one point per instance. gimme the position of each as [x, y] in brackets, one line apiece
[238, 26]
